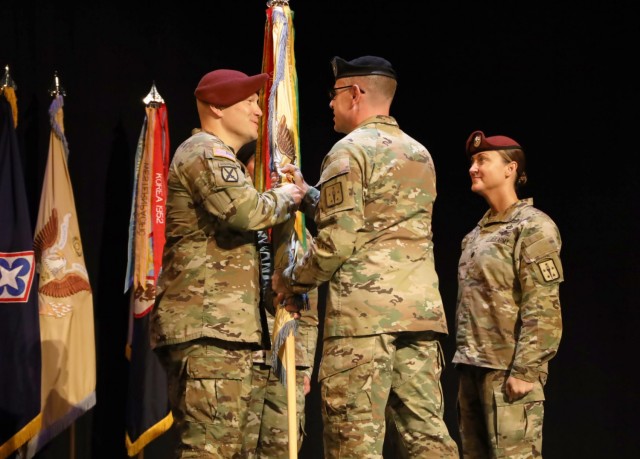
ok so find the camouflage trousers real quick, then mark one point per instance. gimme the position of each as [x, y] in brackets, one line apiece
[267, 430]
[209, 391]
[365, 379]
[491, 426]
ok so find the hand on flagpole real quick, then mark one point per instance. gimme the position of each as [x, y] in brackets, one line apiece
[293, 172]
[292, 303]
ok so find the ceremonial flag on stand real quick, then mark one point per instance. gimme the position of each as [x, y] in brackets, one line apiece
[65, 297]
[20, 362]
[279, 145]
[148, 411]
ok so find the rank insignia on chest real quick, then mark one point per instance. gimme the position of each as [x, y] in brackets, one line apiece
[549, 270]
[332, 194]
[229, 173]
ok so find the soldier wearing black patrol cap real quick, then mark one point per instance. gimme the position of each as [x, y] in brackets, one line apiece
[361, 66]
[508, 321]
[374, 246]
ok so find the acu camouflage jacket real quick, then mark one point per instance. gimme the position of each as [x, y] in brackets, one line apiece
[374, 242]
[209, 284]
[508, 312]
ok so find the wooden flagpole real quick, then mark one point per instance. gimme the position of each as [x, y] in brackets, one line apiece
[292, 411]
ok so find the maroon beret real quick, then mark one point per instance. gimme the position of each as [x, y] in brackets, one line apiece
[477, 142]
[224, 87]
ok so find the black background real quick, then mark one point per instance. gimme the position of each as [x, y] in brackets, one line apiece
[557, 76]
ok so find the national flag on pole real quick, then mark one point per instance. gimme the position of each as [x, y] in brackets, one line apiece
[20, 362]
[65, 297]
[148, 411]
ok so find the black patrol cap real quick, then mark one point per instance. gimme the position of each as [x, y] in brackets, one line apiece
[362, 66]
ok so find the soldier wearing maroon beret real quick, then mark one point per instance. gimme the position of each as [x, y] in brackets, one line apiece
[205, 323]
[508, 321]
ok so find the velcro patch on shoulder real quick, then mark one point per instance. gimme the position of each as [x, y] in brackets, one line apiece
[333, 194]
[543, 253]
[221, 153]
[537, 246]
[336, 195]
[229, 174]
[335, 168]
[549, 270]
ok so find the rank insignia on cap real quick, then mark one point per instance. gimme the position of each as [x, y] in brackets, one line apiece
[476, 140]
[229, 173]
[549, 270]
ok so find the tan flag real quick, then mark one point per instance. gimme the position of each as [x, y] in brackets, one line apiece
[64, 296]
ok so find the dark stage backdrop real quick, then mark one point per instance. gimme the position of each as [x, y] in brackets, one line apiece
[556, 76]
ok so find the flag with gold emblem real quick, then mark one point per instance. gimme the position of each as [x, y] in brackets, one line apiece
[65, 296]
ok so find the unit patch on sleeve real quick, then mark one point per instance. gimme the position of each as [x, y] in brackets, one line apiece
[549, 270]
[229, 173]
[332, 194]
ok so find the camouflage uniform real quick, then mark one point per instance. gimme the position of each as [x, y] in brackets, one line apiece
[508, 323]
[267, 433]
[205, 323]
[384, 311]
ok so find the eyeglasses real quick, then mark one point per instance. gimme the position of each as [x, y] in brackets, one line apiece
[333, 92]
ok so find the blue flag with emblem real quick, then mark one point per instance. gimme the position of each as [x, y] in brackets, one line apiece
[20, 356]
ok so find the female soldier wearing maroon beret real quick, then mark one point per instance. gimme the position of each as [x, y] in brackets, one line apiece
[508, 321]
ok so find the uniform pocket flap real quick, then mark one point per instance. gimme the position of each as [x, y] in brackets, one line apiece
[536, 395]
[342, 358]
[205, 367]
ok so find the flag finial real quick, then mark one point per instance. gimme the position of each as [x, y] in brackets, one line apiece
[56, 88]
[153, 97]
[7, 80]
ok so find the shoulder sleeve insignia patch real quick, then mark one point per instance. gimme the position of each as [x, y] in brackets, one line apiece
[229, 173]
[549, 270]
[332, 194]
